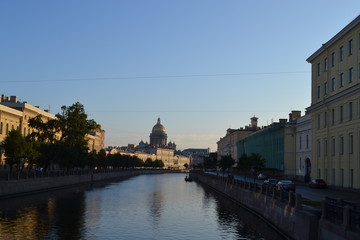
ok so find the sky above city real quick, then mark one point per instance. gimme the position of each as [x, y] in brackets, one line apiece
[202, 66]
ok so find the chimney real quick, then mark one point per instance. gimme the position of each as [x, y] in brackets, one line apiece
[294, 115]
[282, 120]
[13, 99]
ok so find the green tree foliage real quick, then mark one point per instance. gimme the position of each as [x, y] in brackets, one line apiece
[15, 147]
[225, 162]
[210, 162]
[257, 161]
[63, 140]
[244, 162]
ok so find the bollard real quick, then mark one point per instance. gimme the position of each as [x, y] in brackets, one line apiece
[298, 201]
[346, 217]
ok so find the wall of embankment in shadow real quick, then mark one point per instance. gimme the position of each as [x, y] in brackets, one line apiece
[283, 211]
[19, 187]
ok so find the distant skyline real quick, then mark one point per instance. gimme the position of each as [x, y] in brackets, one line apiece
[201, 66]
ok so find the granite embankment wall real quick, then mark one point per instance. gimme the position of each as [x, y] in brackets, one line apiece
[283, 211]
[18, 187]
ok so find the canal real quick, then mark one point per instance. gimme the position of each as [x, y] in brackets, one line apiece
[161, 206]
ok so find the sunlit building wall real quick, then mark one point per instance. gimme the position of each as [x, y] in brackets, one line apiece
[335, 108]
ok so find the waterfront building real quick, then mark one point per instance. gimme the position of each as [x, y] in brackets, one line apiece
[15, 115]
[96, 140]
[275, 143]
[9, 119]
[335, 108]
[227, 145]
[303, 148]
[158, 149]
[196, 155]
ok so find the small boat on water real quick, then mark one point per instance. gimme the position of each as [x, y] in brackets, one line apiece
[188, 179]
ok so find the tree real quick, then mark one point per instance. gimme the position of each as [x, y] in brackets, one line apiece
[225, 162]
[63, 140]
[148, 162]
[257, 161]
[244, 162]
[15, 147]
[210, 161]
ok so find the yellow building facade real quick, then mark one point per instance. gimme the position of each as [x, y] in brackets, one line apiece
[335, 108]
[227, 145]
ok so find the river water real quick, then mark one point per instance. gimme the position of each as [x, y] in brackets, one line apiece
[147, 207]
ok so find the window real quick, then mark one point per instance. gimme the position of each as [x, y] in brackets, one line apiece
[326, 175]
[333, 146]
[325, 119]
[318, 69]
[333, 84]
[341, 111]
[333, 59]
[24, 131]
[319, 173]
[318, 149]
[325, 88]
[333, 176]
[341, 145]
[350, 47]
[350, 111]
[318, 121]
[1, 128]
[342, 177]
[351, 144]
[307, 141]
[350, 73]
[300, 144]
[332, 117]
[325, 64]
[318, 92]
[325, 147]
[341, 79]
[7, 129]
[341, 53]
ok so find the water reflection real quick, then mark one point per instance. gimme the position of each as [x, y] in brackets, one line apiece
[143, 207]
[55, 215]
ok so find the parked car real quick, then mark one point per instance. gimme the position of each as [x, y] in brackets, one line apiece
[317, 183]
[262, 176]
[270, 182]
[286, 185]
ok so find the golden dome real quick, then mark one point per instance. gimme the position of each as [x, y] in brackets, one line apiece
[158, 127]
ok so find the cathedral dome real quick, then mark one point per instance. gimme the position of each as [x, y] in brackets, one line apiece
[158, 128]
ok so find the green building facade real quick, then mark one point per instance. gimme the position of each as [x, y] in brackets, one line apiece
[276, 144]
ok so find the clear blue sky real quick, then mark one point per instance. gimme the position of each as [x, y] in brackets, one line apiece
[202, 66]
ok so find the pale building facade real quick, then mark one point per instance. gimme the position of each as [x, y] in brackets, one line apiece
[335, 108]
[158, 149]
[227, 145]
[9, 119]
[303, 147]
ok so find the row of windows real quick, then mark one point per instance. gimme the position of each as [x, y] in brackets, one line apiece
[7, 129]
[341, 176]
[350, 75]
[350, 115]
[341, 56]
[341, 146]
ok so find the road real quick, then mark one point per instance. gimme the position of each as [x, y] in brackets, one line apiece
[311, 193]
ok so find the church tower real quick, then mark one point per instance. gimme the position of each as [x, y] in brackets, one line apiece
[158, 136]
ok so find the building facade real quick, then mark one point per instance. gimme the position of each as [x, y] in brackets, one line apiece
[303, 148]
[227, 145]
[335, 108]
[158, 149]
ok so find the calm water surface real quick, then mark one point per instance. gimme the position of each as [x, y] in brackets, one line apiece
[144, 207]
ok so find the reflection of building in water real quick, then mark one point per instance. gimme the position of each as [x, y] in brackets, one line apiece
[157, 149]
[156, 207]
